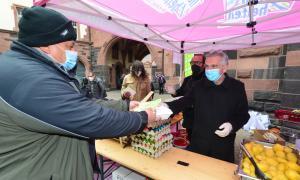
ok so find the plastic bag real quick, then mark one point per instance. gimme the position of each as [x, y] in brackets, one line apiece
[257, 121]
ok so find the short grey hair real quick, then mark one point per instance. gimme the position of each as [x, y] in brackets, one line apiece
[219, 53]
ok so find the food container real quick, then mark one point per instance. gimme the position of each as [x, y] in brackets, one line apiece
[180, 142]
[240, 171]
[282, 114]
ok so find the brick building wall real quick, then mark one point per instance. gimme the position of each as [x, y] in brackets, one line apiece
[5, 39]
[7, 36]
[271, 75]
[290, 84]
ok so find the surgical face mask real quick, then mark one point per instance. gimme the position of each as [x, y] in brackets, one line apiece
[138, 74]
[196, 69]
[91, 78]
[71, 60]
[213, 74]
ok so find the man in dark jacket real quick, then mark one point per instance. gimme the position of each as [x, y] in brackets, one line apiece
[45, 123]
[161, 82]
[197, 65]
[92, 87]
[220, 109]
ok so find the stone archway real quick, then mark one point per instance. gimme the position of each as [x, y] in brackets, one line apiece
[111, 42]
[126, 52]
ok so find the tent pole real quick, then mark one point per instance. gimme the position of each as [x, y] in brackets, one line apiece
[181, 69]
[163, 61]
[252, 23]
[170, 43]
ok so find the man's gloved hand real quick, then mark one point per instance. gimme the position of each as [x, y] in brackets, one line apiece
[225, 129]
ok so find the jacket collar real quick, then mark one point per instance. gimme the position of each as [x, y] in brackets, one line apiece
[37, 56]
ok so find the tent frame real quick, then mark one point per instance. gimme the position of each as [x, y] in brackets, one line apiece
[179, 46]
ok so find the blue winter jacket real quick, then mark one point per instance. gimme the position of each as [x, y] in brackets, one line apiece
[45, 122]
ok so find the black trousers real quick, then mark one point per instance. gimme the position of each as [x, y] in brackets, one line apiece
[161, 88]
[218, 148]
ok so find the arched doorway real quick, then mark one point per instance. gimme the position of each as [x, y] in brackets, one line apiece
[118, 72]
[121, 53]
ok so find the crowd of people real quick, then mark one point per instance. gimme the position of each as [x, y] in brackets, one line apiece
[48, 122]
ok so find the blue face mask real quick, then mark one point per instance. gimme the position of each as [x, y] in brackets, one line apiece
[213, 74]
[71, 60]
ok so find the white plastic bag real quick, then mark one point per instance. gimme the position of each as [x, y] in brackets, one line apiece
[163, 112]
[257, 121]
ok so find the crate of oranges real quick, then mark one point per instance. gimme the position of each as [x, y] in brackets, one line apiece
[278, 162]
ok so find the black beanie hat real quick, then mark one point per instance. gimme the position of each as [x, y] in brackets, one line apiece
[42, 27]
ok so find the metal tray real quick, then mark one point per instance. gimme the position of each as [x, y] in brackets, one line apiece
[240, 171]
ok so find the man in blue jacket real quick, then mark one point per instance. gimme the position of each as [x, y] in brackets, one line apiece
[45, 123]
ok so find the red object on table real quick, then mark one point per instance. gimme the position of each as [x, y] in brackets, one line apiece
[295, 117]
[282, 114]
[180, 142]
[180, 139]
[180, 133]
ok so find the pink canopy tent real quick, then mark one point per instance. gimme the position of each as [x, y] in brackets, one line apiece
[189, 25]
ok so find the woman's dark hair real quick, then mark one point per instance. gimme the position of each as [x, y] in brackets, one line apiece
[136, 67]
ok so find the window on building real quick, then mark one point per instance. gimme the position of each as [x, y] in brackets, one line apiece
[76, 27]
[232, 54]
[177, 69]
[74, 24]
[17, 14]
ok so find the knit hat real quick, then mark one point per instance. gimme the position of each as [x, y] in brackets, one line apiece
[42, 27]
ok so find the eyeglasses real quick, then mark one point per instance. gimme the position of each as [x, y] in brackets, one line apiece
[199, 63]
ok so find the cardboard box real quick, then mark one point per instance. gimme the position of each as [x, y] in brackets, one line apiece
[120, 173]
[134, 176]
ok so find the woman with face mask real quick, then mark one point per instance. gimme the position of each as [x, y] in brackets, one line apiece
[136, 85]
